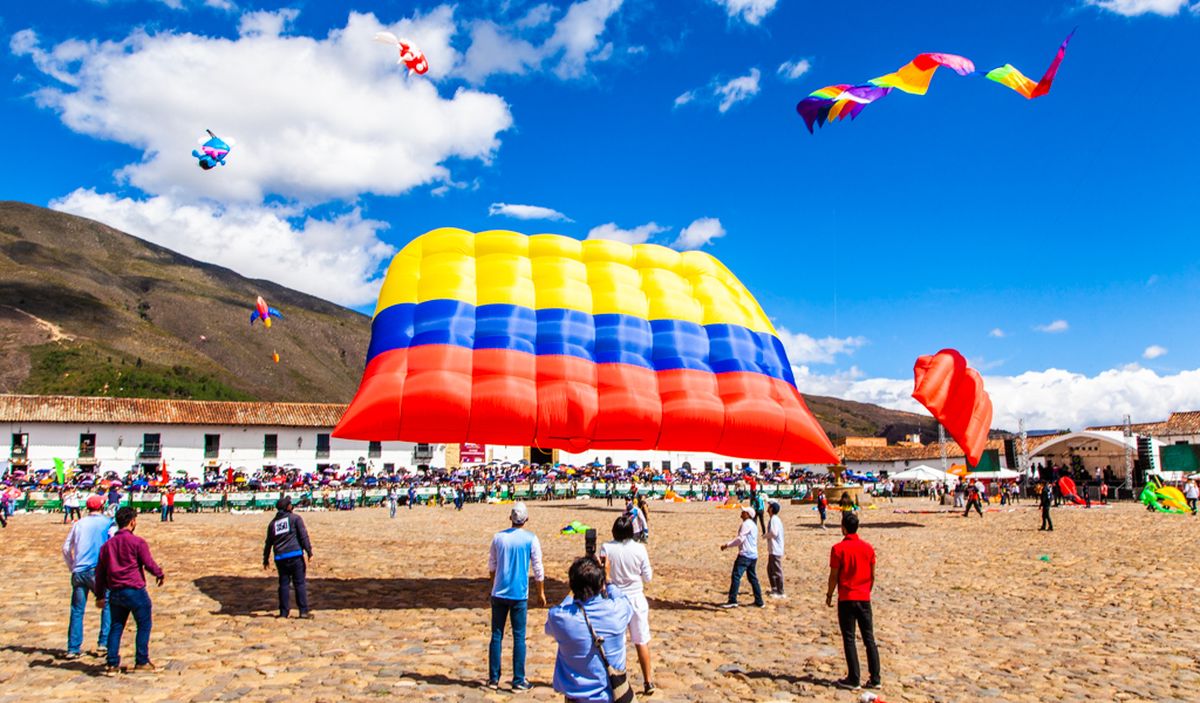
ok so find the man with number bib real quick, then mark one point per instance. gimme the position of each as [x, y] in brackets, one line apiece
[287, 536]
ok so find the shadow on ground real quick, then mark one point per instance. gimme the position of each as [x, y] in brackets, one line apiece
[258, 595]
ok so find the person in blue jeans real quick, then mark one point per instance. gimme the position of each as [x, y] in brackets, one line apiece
[746, 562]
[120, 573]
[514, 553]
[81, 552]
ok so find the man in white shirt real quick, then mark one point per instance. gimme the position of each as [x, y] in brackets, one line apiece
[775, 551]
[1192, 493]
[628, 567]
[746, 562]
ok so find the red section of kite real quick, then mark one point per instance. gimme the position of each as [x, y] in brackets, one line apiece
[954, 394]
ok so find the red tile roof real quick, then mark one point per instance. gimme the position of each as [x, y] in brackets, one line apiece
[1180, 423]
[926, 452]
[153, 411]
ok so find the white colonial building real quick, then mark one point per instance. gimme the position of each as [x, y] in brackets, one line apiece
[115, 434]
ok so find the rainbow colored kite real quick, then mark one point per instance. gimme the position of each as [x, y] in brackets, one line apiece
[1009, 75]
[837, 102]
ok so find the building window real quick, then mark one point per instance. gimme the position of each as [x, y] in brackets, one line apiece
[20, 445]
[729, 466]
[645, 464]
[762, 466]
[323, 446]
[87, 446]
[212, 446]
[389, 468]
[374, 450]
[270, 446]
[775, 465]
[708, 466]
[151, 446]
[666, 466]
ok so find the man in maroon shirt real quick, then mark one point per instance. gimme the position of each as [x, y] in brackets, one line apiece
[120, 573]
[852, 573]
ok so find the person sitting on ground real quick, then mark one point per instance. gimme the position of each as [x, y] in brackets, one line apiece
[589, 626]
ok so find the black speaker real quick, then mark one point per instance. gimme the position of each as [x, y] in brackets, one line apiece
[1145, 461]
[1010, 453]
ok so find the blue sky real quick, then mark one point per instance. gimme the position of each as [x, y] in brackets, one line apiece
[969, 217]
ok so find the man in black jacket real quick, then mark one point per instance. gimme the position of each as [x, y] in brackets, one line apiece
[288, 537]
[1044, 499]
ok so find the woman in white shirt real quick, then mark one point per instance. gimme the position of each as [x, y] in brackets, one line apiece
[628, 567]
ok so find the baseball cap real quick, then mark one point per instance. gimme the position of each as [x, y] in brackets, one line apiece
[95, 502]
[519, 514]
[749, 511]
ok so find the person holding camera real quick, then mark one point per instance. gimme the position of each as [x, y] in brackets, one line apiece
[589, 626]
[627, 565]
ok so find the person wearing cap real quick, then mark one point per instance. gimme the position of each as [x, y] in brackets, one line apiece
[81, 552]
[852, 575]
[514, 553]
[746, 561]
[775, 551]
[288, 537]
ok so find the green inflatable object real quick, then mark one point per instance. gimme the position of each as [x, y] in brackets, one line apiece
[1152, 499]
[575, 528]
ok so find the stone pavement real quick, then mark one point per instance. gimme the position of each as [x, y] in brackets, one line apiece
[965, 610]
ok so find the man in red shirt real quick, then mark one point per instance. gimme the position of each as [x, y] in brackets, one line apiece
[120, 573]
[852, 573]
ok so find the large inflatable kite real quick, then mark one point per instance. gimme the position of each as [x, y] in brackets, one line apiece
[1066, 486]
[212, 151]
[954, 394]
[548, 341]
[837, 102]
[412, 57]
[263, 312]
[1164, 499]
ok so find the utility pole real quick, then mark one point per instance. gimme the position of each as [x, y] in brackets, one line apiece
[1128, 483]
[942, 447]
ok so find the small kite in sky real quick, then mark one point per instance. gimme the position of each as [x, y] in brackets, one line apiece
[263, 312]
[1009, 75]
[212, 151]
[410, 55]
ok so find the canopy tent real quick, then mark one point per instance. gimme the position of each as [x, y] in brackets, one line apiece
[1001, 475]
[922, 473]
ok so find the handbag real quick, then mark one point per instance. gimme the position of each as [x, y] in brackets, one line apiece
[618, 681]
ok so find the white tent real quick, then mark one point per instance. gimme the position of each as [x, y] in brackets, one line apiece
[1001, 475]
[922, 473]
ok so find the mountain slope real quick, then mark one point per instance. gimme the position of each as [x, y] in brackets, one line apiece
[88, 310]
[83, 305]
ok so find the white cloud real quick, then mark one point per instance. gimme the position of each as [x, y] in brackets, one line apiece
[737, 90]
[701, 232]
[793, 70]
[265, 23]
[803, 349]
[1132, 8]
[997, 333]
[685, 98]
[751, 11]
[576, 41]
[527, 212]
[226, 5]
[337, 259]
[1053, 327]
[315, 119]
[1050, 399]
[638, 235]
[1154, 351]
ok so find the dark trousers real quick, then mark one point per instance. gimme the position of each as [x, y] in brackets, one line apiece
[517, 611]
[851, 612]
[973, 504]
[762, 520]
[122, 602]
[1046, 523]
[291, 573]
[749, 567]
[775, 573]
